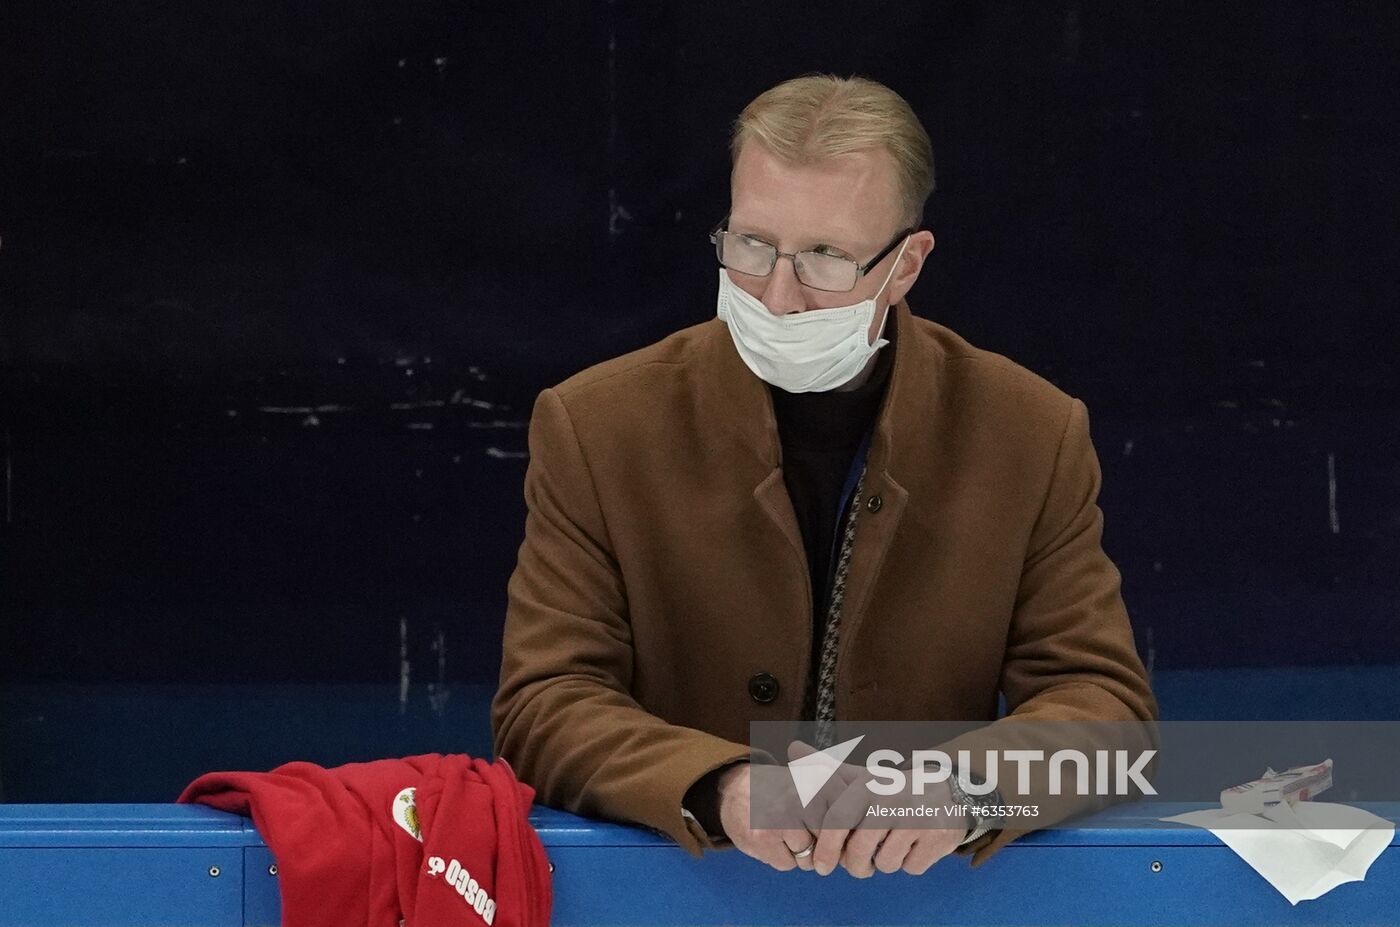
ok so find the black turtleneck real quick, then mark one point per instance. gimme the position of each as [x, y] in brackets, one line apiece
[820, 433]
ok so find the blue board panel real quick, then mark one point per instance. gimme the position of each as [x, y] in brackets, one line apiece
[1026, 884]
[130, 886]
[262, 902]
[149, 865]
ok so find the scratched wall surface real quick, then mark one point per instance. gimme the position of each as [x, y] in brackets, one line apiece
[278, 285]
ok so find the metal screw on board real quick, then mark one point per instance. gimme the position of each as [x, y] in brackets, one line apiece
[272, 870]
[1156, 865]
[213, 872]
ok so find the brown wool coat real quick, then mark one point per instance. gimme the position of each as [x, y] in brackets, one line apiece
[662, 569]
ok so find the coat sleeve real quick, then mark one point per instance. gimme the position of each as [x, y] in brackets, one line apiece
[1071, 675]
[563, 715]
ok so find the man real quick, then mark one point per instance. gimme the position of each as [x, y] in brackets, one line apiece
[814, 506]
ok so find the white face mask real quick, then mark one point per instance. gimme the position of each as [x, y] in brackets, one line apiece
[802, 352]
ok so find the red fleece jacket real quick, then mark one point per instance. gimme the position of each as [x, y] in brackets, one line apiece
[425, 841]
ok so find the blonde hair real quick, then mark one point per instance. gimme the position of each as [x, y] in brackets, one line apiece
[820, 116]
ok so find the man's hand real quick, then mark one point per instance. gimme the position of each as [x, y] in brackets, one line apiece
[768, 845]
[863, 843]
[834, 823]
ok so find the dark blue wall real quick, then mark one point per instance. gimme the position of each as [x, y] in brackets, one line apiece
[279, 282]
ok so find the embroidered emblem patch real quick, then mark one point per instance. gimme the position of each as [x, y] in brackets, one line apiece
[406, 813]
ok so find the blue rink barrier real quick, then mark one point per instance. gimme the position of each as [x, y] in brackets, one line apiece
[152, 865]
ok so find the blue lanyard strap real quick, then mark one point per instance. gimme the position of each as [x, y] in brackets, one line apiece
[853, 476]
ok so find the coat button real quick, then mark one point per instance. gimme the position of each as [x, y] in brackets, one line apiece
[874, 503]
[763, 688]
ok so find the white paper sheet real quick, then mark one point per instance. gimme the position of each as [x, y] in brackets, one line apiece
[1303, 850]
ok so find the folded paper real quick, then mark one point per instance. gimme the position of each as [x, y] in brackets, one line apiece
[1304, 849]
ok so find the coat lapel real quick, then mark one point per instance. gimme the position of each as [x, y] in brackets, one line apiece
[737, 404]
[772, 497]
[897, 467]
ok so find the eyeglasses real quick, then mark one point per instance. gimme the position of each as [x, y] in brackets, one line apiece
[819, 270]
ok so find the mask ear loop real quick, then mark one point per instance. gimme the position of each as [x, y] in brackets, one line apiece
[888, 277]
